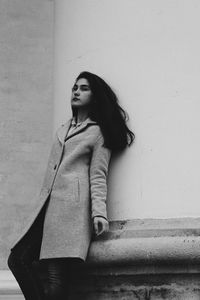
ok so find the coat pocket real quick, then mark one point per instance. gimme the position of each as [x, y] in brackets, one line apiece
[76, 189]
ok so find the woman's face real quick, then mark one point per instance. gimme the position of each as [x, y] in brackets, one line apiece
[81, 93]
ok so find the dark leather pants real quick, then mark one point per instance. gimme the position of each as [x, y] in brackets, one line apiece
[41, 279]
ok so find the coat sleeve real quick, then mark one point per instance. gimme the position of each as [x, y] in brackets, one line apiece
[98, 178]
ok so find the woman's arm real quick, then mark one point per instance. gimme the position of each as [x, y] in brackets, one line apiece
[98, 183]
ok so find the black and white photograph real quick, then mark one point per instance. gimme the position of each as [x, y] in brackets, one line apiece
[100, 150]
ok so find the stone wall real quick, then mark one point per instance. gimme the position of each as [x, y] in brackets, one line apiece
[26, 46]
[137, 287]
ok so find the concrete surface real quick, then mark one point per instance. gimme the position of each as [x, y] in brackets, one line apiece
[26, 60]
[144, 242]
[9, 289]
[128, 287]
[148, 51]
[11, 297]
[123, 265]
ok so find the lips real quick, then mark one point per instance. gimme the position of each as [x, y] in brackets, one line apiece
[75, 98]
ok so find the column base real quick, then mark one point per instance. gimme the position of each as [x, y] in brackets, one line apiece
[143, 259]
[137, 259]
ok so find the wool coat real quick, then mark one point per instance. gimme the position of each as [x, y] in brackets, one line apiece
[74, 191]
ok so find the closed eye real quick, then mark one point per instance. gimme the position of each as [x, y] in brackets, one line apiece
[75, 87]
[83, 87]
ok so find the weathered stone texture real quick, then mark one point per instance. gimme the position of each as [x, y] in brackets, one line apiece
[26, 43]
[151, 287]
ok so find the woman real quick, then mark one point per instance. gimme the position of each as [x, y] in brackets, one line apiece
[72, 202]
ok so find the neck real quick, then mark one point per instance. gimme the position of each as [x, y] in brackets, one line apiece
[82, 115]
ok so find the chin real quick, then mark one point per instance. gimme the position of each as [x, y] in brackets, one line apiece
[73, 105]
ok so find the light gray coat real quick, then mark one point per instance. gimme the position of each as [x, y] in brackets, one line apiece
[76, 180]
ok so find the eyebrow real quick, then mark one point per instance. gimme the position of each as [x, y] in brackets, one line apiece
[82, 84]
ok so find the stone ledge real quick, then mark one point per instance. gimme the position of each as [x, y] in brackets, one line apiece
[135, 256]
[139, 228]
[138, 247]
[145, 251]
[8, 284]
[149, 245]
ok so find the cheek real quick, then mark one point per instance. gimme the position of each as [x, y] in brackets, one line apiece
[88, 98]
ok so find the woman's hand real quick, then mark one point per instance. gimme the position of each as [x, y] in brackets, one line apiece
[100, 225]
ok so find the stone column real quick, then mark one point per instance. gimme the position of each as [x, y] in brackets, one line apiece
[148, 51]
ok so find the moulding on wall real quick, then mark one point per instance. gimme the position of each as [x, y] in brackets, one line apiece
[138, 247]
[149, 246]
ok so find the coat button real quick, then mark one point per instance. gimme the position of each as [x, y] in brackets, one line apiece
[55, 167]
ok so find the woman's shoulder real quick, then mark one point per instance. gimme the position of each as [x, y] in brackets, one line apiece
[95, 129]
[90, 127]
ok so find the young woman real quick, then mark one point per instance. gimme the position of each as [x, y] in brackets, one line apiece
[72, 204]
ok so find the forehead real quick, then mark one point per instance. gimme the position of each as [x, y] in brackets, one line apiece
[82, 81]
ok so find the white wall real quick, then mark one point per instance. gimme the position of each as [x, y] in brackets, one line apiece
[149, 52]
[26, 112]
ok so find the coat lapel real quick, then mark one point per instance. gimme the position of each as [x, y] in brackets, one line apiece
[63, 130]
[82, 127]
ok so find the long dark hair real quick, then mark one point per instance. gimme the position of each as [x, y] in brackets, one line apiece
[107, 112]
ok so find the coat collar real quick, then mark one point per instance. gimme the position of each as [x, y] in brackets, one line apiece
[63, 130]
